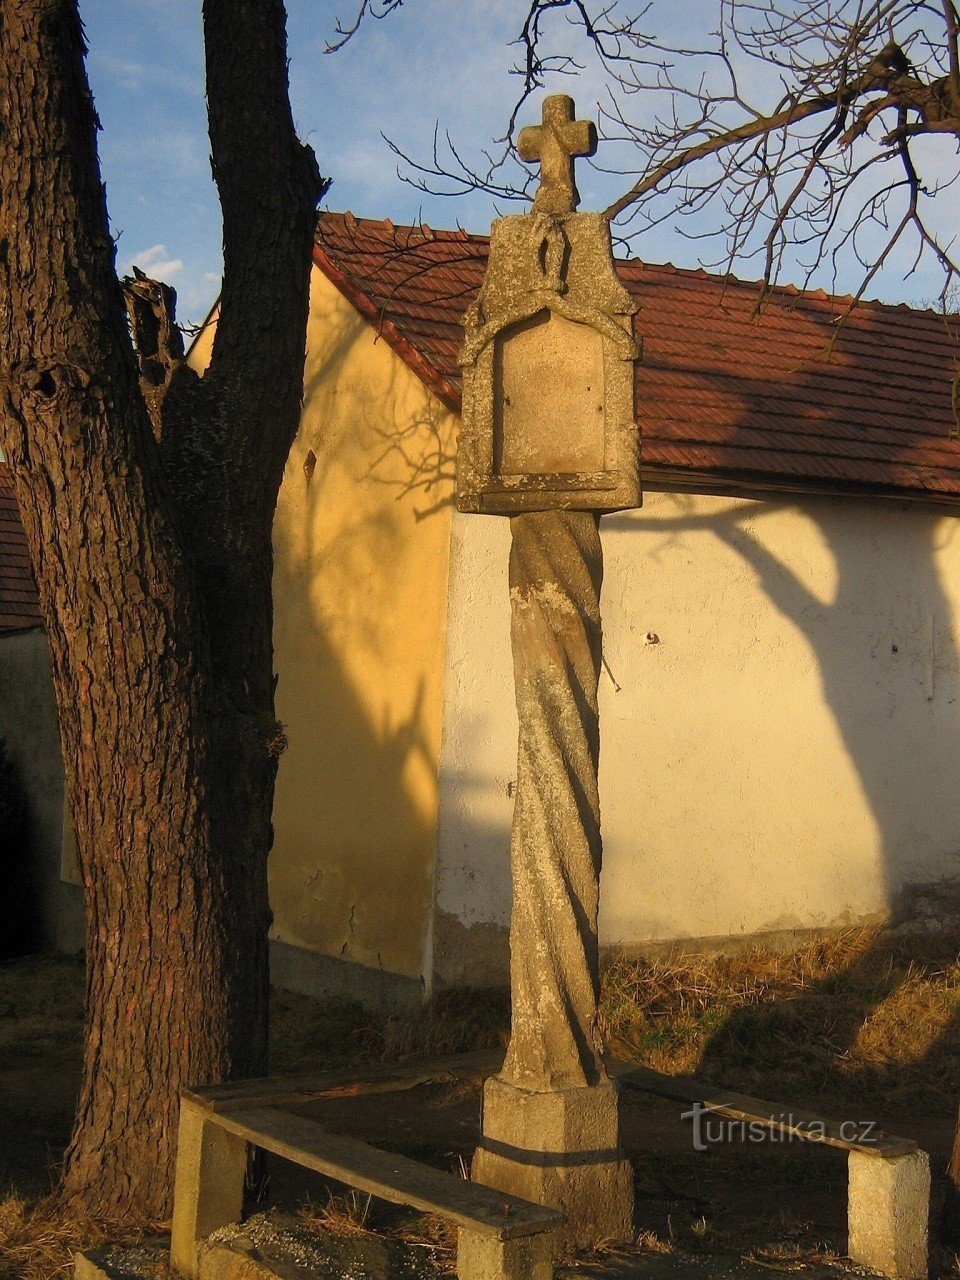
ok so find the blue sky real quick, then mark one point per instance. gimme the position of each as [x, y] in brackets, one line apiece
[433, 60]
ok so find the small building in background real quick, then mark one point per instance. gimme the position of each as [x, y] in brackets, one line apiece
[781, 689]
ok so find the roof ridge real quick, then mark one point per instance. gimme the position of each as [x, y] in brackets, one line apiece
[789, 289]
[387, 224]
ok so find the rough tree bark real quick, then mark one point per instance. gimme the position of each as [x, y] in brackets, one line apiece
[152, 551]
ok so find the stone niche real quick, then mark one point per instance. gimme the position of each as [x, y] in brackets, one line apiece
[548, 359]
[548, 398]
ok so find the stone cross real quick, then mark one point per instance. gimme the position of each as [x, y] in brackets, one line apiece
[555, 143]
[549, 438]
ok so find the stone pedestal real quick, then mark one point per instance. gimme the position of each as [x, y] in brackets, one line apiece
[560, 1148]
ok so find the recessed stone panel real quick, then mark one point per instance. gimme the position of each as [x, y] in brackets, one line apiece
[548, 398]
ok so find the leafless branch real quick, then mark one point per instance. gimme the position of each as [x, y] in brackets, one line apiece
[375, 9]
[782, 130]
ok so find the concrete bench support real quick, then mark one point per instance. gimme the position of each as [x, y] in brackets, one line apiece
[483, 1257]
[501, 1237]
[888, 1203]
[208, 1191]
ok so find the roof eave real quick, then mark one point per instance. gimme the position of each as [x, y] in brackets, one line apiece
[723, 484]
[446, 392]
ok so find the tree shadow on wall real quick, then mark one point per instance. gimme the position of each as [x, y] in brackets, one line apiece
[905, 765]
[360, 660]
[350, 870]
[890, 675]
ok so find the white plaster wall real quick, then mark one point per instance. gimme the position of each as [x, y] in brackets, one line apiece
[479, 738]
[786, 755]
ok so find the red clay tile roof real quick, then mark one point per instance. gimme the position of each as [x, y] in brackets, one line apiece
[19, 605]
[727, 401]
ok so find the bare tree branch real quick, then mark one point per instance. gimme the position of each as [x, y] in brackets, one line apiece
[376, 9]
[781, 131]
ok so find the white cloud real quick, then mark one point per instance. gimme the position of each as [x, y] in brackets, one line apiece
[196, 296]
[155, 262]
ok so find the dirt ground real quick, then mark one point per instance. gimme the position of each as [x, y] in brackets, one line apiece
[764, 1199]
[768, 1205]
[41, 1028]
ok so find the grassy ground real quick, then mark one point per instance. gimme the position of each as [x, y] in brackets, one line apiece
[857, 1016]
[860, 1019]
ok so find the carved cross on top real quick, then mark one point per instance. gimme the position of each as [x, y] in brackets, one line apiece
[555, 143]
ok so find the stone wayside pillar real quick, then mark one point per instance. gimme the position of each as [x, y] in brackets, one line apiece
[548, 437]
[550, 1122]
[556, 569]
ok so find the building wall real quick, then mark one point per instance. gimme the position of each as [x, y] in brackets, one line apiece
[361, 546]
[361, 540]
[780, 724]
[780, 703]
[28, 726]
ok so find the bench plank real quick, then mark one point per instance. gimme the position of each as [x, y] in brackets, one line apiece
[391, 1177]
[348, 1081]
[738, 1106]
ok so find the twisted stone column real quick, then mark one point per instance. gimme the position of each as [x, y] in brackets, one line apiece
[550, 1122]
[556, 569]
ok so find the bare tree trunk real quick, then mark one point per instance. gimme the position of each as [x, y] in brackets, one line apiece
[153, 561]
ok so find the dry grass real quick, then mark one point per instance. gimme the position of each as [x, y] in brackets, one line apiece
[309, 1034]
[650, 1242]
[38, 1240]
[36, 1244]
[854, 1011]
[438, 1239]
[347, 1216]
[454, 1022]
[846, 1013]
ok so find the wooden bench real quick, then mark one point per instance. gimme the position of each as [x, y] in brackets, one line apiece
[888, 1189]
[499, 1237]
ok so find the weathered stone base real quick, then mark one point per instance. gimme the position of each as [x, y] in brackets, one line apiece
[887, 1210]
[275, 1246]
[559, 1148]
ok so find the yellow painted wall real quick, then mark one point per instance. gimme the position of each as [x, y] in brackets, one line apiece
[361, 542]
